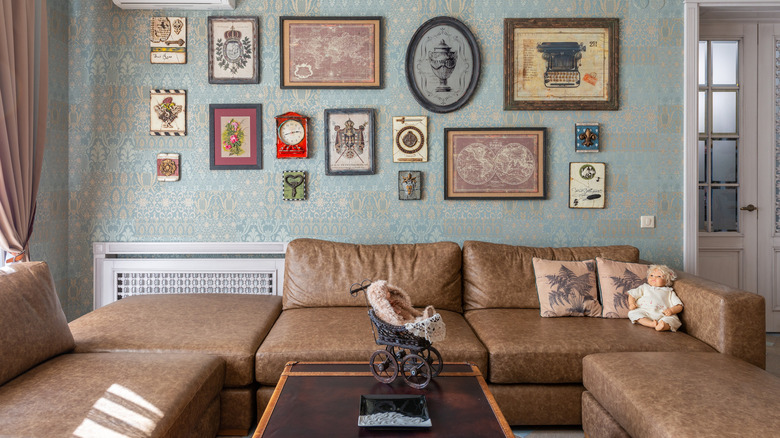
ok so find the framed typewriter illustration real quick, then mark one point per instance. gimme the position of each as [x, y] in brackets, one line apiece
[561, 63]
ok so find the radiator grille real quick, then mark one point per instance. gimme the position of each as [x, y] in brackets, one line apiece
[145, 283]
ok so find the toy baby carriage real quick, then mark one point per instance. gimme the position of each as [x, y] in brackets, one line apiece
[408, 350]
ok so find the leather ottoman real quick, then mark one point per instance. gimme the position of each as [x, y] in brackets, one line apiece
[677, 395]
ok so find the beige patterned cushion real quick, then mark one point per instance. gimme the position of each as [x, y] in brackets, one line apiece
[567, 288]
[615, 279]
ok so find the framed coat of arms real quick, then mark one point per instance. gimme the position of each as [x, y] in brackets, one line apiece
[233, 50]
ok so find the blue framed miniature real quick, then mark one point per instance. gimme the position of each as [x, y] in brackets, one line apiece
[586, 137]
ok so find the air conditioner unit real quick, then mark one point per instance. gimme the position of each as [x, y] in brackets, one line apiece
[176, 4]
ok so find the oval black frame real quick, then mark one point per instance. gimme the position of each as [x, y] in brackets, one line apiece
[476, 59]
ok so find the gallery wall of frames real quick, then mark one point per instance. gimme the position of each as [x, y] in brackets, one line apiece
[535, 123]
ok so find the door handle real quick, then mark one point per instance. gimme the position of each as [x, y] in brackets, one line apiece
[750, 207]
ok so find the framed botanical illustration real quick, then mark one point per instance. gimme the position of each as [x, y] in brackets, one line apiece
[442, 64]
[561, 63]
[168, 40]
[233, 50]
[235, 136]
[330, 52]
[409, 185]
[168, 112]
[586, 185]
[349, 141]
[494, 163]
[410, 139]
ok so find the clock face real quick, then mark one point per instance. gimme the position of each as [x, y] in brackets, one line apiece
[291, 132]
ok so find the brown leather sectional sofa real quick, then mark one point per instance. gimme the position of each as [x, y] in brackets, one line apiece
[485, 293]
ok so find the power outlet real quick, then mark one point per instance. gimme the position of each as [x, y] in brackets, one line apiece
[647, 222]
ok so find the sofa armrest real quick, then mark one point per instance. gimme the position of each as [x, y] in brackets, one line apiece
[730, 320]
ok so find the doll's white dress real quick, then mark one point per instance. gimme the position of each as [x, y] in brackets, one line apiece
[652, 301]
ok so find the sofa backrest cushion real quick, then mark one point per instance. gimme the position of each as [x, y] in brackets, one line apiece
[502, 276]
[33, 327]
[319, 273]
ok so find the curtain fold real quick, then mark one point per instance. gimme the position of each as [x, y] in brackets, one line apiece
[24, 73]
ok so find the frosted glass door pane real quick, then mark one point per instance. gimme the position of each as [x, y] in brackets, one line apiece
[724, 209]
[702, 161]
[724, 112]
[702, 111]
[703, 209]
[724, 62]
[724, 161]
[702, 62]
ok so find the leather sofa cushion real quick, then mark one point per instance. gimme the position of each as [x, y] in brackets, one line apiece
[344, 334]
[56, 397]
[502, 276]
[33, 327]
[319, 273]
[230, 326]
[684, 395]
[525, 348]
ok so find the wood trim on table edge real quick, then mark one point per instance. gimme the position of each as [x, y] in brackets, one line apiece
[493, 405]
[269, 410]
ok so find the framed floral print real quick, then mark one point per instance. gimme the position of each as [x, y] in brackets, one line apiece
[330, 52]
[233, 50]
[235, 136]
[561, 63]
[494, 163]
[442, 64]
[349, 141]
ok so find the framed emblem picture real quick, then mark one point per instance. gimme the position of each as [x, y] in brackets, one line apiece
[233, 50]
[494, 163]
[409, 185]
[235, 136]
[410, 139]
[294, 185]
[349, 141]
[168, 112]
[168, 40]
[561, 63]
[330, 52]
[442, 64]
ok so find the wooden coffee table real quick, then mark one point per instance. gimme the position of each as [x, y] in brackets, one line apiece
[323, 399]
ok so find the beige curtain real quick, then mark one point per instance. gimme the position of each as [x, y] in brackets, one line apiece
[24, 74]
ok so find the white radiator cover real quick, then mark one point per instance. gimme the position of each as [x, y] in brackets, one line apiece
[123, 269]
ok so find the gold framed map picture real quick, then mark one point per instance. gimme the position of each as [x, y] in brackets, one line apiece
[561, 63]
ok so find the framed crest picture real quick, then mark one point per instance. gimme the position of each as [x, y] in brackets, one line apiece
[561, 63]
[233, 50]
[168, 40]
[235, 136]
[586, 185]
[168, 112]
[494, 163]
[410, 139]
[330, 52]
[409, 185]
[349, 141]
[442, 64]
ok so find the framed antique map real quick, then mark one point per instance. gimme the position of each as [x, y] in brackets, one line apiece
[233, 50]
[561, 63]
[330, 52]
[494, 163]
[349, 141]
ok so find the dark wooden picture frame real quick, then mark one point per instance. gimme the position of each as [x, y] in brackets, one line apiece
[222, 144]
[443, 63]
[567, 63]
[234, 50]
[349, 141]
[309, 46]
[494, 163]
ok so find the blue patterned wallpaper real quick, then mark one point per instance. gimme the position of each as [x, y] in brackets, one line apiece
[113, 194]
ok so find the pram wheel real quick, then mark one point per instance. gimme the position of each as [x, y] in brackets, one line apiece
[433, 357]
[384, 366]
[416, 371]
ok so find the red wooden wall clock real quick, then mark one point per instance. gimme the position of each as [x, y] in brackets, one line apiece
[292, 136]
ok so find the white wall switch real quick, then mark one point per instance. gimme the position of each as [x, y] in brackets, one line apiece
[647, 222]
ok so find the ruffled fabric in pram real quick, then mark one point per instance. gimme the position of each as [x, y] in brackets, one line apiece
[393, 306]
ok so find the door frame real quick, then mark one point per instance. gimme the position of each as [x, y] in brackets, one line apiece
[690, 117]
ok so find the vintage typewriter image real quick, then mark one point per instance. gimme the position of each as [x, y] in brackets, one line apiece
[562, 63]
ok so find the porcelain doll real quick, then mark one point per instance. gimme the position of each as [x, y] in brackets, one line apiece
[654, 304]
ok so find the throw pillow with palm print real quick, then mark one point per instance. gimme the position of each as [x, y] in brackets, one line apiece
[615, 280]
[566, 288]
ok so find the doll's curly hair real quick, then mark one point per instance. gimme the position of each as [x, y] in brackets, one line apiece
[666, 272]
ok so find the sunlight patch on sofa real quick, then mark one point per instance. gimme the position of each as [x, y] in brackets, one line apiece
[120, 413]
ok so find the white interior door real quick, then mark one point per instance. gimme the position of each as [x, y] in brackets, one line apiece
[768, 171]
[727, 154]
